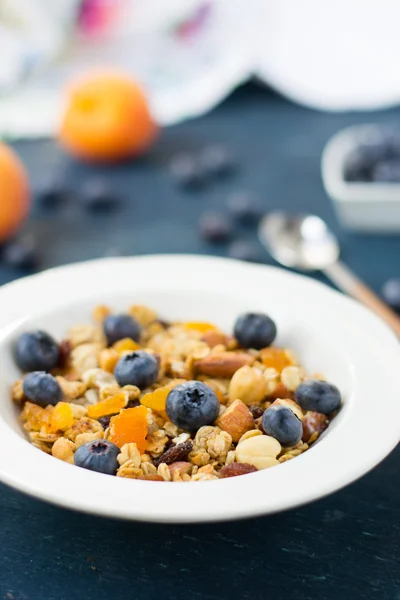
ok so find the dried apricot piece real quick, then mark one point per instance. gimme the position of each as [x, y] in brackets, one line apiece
[276, 358]
[130, 426]
[201, 326]
[108, 358]
[125, 345]
[110, 406]
[157, 399]
[62, 417]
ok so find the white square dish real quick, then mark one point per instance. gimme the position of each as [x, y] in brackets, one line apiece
[330, 332]
[369, 207]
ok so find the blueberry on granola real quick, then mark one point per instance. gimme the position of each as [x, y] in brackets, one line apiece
[118, 327]
[320, 396]
[254, 330]
[36, 351]
[42, 388]
[191, 405]
[98, 455]
[138, 368]
[281, 423]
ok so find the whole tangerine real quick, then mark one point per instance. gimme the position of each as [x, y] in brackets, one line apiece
[106, 118]
[15, 194]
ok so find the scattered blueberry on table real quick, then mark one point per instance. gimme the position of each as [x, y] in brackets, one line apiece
[244, 207]
[191, 405]
[186, 172]
[217, 161]
[255, 330]
[391, 293]
[42, 388]
[52, 192]
[118, 327]
[137, 368]
[281, 423]
[97, 196]
[99, 455]
[36, 351]
[215, 227]
[20, 253]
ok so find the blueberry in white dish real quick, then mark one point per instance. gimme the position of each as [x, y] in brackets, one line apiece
[191, 405]
[281, 423]
[36, 351]
[138, 368]
[320, 396]
[118, 327]
[255, 330]
[98, 455]
[42, 388]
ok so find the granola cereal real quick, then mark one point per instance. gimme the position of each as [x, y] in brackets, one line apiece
[178, 402]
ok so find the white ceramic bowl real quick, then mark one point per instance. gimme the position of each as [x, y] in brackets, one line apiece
[331, 334]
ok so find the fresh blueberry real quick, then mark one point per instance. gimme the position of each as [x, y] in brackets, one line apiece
[281, 423]
[215, 227]
[52, 192]
[42, 388]
[36, 351]
[217, 161]
[391, 293]
[187, 172]
[138, 368]
[118, 327]
[244, 207]
[191, 405]
[98, 455]
[245, 250]
[320, 396]
[20, 254]
[97, 196]
[254, 330]
[387, 171]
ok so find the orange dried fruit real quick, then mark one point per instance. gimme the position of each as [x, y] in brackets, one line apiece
[276, 358]
[125, 345]
[62, 417]
[108, 358]
[157, 399]
[110, 406]
[201, 326]
[130, 426]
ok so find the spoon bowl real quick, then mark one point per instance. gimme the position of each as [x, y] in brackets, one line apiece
[299, 241]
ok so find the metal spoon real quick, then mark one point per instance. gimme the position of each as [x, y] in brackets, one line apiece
[305, 242]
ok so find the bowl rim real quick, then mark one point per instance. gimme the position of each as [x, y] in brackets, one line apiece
[372, 347]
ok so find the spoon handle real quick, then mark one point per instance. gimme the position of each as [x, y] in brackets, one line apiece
[345, 280]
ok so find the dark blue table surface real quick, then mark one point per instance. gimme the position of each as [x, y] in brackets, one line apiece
[345, 546]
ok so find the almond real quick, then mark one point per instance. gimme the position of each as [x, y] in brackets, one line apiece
[313, 422]
[214, 338]
[222, 365]
[236, 420]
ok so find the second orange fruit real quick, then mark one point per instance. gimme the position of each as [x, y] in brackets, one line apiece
[106, 119]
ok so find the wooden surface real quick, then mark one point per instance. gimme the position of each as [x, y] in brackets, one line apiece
[346, 546]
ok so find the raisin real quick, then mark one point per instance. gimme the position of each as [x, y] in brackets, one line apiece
[65, 351]
[175, 453]
[105, 421]
[256, 410]
[235, 469]
[133, 403]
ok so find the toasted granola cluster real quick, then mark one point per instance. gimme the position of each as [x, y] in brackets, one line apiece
[132, 429]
